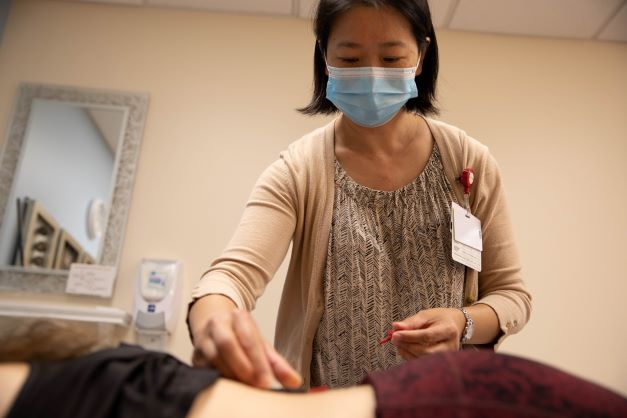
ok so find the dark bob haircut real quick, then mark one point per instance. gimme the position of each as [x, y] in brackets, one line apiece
[416, 12]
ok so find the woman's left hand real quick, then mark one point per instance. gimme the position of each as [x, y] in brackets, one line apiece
[429, 331]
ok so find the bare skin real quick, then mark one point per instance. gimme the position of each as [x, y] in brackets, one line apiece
[12, 377]
[382, 158]
[224, 399]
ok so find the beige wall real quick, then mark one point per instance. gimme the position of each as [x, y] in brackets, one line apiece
[223, 89]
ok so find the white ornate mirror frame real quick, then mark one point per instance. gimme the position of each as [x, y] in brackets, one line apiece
[19, 279]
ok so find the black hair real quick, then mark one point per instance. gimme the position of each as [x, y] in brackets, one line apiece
[416, 12]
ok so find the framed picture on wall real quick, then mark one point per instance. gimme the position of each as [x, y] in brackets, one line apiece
[86, 258]
[40, 234]
[68, 251]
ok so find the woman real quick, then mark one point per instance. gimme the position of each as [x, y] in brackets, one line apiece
[50, 369]
[366, 203]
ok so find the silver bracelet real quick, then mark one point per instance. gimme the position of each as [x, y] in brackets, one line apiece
[468, 329]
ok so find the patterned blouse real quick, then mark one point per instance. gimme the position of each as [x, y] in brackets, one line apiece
[389, 256]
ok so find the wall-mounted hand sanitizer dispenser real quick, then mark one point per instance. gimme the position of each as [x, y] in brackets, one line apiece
[157, 301]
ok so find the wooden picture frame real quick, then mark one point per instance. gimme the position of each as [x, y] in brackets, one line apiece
[68, 251]
[40, 234]
[86, 258]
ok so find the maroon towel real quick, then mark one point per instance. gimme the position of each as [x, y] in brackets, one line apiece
[484, 384]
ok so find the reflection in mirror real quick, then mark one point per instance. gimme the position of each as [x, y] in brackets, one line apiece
[62, 186]
[66, 178]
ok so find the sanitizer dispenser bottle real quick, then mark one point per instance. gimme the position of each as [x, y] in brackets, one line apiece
[157, 301]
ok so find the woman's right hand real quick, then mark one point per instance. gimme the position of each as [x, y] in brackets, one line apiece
[231, 342]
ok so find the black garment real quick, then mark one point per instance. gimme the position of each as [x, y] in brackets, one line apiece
[127, 381]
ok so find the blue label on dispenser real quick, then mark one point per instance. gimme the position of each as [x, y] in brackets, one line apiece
[156, 281]
[152, 307]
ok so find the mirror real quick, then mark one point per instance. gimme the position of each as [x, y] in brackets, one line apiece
[66, 178]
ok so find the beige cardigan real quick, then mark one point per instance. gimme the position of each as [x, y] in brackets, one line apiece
[292, 202]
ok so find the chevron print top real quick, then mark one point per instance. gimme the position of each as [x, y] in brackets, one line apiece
[389, 256]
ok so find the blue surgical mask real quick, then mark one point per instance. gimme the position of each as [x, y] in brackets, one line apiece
[371, 96]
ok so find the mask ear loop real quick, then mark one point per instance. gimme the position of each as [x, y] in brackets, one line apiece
[323, 53]
[324, 57]
[418, 63]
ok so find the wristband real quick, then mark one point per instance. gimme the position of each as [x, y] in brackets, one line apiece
[468, 328]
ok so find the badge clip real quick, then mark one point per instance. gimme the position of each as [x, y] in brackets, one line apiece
[467, 179]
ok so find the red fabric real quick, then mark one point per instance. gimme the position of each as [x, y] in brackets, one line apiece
[484, 384]
[317, 389]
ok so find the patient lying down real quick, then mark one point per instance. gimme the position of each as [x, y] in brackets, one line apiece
[52, 370]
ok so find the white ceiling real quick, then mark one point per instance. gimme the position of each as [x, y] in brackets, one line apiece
[604, 20]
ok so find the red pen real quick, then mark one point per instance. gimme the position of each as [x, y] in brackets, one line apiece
[388, 338]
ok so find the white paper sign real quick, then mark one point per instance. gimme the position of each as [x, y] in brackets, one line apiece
[91, 279]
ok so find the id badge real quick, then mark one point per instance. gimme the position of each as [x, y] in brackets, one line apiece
[467, 242]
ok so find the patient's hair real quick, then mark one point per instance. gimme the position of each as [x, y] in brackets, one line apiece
[39, 339]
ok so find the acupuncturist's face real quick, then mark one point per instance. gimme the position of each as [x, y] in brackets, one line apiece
[372, 37]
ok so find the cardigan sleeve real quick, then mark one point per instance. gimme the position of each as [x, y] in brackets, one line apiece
[259, 244]
[500, 284]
